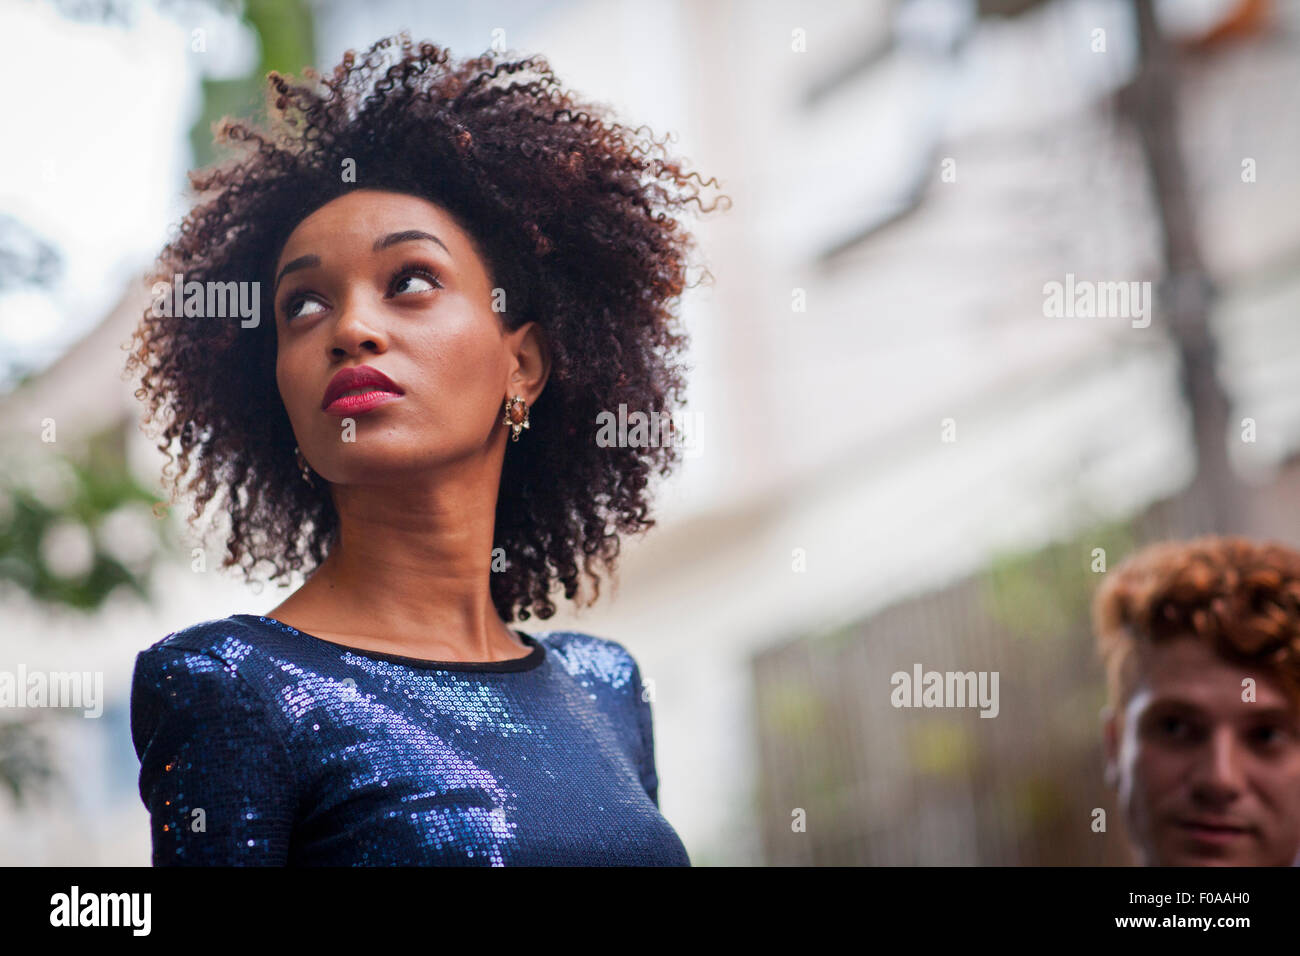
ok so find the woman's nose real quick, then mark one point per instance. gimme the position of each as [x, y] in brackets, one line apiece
[357, 328]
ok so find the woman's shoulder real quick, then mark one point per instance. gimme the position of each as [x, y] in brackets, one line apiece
[232, 646]
[587, 655]
[209, 730]
[232, 639]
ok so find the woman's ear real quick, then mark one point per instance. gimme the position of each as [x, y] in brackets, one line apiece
[532, 354]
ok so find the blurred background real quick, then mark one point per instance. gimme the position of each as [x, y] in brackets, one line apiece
[900, 454]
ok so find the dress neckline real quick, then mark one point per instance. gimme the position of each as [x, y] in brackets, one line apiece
[528, 662]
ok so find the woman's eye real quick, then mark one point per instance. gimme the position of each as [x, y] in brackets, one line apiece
[414, 280]
[296, 308]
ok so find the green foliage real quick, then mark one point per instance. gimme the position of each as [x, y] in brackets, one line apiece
[1048, 593]
[792, 710]
[25, 765]
[943, 746]
[287, 38]
[77, 502]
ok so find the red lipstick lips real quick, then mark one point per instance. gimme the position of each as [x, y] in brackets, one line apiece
[358, 389]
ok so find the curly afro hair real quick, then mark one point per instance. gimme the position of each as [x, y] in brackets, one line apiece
[1240, 596]
[574, 215]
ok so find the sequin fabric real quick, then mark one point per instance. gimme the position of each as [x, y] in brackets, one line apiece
[262, 745]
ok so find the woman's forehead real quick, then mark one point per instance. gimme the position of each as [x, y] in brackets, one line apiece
[366, 215]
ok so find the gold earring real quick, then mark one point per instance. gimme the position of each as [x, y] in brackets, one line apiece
[303, 468]
[516, 416]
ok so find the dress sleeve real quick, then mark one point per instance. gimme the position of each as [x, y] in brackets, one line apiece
[215, 774]
[645, 727]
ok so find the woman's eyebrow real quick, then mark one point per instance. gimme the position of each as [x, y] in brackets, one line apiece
[410, 235]
[302, 262]
[392, 239]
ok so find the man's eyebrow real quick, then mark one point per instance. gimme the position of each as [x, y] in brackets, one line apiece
[302, 262]
[1173, 703]
[1255, 711]
[1274, 711]
[410, 235]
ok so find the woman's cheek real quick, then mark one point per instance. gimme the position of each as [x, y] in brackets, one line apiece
[293, 392]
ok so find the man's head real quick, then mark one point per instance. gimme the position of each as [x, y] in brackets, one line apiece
[1201, 641]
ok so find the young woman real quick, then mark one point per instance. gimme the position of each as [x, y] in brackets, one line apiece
[458, 270]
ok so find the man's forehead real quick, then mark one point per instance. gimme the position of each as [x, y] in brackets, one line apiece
[1187, 671]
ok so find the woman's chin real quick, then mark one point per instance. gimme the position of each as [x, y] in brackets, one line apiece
[376, 468]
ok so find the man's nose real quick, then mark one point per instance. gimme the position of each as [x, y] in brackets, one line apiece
[1217, 777]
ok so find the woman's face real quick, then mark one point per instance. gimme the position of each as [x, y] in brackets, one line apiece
[389, 282]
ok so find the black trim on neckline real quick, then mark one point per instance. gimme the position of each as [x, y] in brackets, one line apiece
[528, 662]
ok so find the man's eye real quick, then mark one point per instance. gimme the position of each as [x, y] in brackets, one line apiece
[1267, 734]
[1174, 727]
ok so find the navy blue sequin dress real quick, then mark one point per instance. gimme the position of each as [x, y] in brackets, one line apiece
[260, 744]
